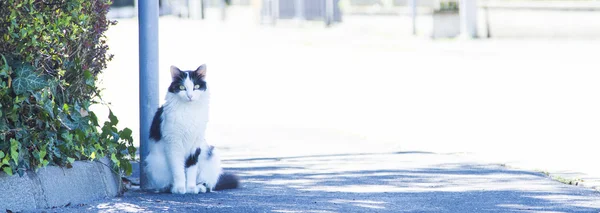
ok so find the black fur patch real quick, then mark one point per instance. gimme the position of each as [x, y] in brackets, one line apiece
[192, 159]
[198, 80]
[178, 81]
[227, 181]
[209, 153]
[155, 126]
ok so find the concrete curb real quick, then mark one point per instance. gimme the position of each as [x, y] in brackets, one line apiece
[54, 186]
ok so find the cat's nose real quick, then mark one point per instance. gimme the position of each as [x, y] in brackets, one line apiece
[190, 97]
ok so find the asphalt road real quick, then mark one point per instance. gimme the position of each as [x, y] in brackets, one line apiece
[367, 182]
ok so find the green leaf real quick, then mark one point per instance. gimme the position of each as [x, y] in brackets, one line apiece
[43, 152]
[1, 154]
[27, 79]
[14, 150]
[114, 159]
[126, 134]
[113, 118]
[45, 162]
[131, 150]
[21, 172]
[78, 121]
[70, 159]
[66, 121]
[2, 124]
[8, 170]
[127, 167]
[67, 137]
[89, 78]
[93, 155]
[94, 119]
[5, 68]
[49, 107]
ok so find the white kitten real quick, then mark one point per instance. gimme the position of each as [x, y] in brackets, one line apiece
[180, 160]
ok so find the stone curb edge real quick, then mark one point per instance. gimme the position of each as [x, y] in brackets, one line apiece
[54, 186]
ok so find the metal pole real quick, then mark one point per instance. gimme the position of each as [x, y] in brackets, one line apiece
[274, 11]
[299, 16]
[468, 18]
[413, 14]
[329, 12]
[148, 74]
[487, 22]
[202, 9]
[223, 10]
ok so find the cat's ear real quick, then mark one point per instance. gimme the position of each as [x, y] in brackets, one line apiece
[201, 71]
[175, 72]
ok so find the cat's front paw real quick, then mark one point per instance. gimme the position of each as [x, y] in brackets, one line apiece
[193, 189]
[178, 189]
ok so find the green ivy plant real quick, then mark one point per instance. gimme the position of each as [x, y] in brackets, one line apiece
[51, 54]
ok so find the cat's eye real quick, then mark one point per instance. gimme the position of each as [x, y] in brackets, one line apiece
[196, 86]
[182, 87]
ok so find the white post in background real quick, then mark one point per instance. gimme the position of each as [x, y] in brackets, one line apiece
[413, 15]
[329, 10]
[223, 5]
[299, 13]
[468, 18]
[274, 11]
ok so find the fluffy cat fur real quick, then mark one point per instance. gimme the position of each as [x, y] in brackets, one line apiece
[180, 161]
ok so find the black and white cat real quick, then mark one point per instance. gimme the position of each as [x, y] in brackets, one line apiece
[180, 160]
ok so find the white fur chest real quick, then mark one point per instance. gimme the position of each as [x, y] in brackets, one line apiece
[184, 123]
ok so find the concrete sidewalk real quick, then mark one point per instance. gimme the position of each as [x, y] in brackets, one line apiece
[367, 182]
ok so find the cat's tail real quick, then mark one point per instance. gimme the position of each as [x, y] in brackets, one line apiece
[227, 181]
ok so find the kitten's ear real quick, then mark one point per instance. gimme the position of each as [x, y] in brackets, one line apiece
[201, 70]
[175, 72]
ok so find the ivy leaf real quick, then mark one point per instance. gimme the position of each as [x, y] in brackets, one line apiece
[114, 159]
[127, 167]
[21, 172]
[70, 159]
[8, 170]
[93, 118]
[5, 68]
[68, 137]
[27, 80]
[2, 124]
[126, 134]
[14, 150]
[78, 120]
[66, 121]
[49, 107]
[89, 78]
[113, 118]
[43, 152]
[1, 155]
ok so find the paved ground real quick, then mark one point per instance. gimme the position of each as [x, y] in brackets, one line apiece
[367, 182]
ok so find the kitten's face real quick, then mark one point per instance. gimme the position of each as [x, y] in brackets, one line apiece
[188, 85]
